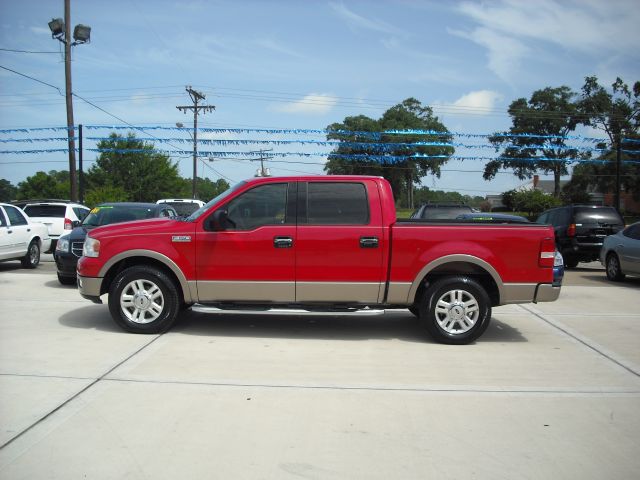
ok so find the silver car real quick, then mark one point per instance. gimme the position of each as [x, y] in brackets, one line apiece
[620, 253]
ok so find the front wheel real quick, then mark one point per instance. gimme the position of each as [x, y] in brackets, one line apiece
[614, 273]
[455, 310]
[143, 299]
[32, 257]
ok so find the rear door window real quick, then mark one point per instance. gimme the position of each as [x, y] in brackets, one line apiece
[337, 204]
[15, 216]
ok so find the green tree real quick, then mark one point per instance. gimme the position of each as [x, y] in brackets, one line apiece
[551, 113]
[109, 193]
[531, 201]
[617, 113]
[54, 184]
[133, 166]
[405, 173]
[208, 189]
[7, 191]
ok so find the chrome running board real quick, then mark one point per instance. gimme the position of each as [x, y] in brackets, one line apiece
[247, 310]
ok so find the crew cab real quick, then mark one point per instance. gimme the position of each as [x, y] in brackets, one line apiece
[316, 244]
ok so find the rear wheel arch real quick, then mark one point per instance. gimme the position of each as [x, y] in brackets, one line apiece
[456, 265]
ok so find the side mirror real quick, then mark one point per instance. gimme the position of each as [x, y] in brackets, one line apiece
[76, 223]
[219, 221]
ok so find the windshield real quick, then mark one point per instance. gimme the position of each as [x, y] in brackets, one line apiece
[107, 214]
[213, 201]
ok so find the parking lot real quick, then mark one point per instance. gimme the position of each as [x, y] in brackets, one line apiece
[550, 391]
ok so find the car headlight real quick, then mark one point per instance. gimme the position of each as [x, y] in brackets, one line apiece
[558, 261]
[63, 244]
[91, 247]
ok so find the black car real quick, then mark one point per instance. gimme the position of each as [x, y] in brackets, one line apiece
[581, 229]
[69, 247]
[441, 211]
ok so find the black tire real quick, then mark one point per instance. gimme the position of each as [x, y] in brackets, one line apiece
[612, 267]
[415, 309]
[143, 299]
[455, 310]
[66, 280]
[570, 262]
[32, 257]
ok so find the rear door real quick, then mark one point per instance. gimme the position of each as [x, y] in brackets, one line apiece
[593, 225]
[340, 242]
[630, 250]
[51, 215]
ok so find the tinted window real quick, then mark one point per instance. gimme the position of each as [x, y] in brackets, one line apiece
[57, 211]
[633, 231]
[81, 212]
[544, 218]
[15, 216]
[597, 215]
[184, 209]
[443, 213]
[337, 204]
[263, 205]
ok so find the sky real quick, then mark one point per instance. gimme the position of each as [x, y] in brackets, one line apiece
[297, 65]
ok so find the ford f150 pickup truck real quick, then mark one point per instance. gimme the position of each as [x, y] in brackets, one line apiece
[316, 244]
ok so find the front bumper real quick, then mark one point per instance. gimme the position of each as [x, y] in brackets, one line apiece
[66, 264]
[89, 288]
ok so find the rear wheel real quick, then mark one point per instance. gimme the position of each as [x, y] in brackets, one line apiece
[614, 272]
[144, 299]
[32, 257]
[570, 262]
[455, 310]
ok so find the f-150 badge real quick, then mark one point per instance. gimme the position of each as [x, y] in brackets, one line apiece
[181, 238]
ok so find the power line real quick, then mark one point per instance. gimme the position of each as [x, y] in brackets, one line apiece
[22, 51]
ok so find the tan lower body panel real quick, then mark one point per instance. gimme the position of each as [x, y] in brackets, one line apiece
[339, 292]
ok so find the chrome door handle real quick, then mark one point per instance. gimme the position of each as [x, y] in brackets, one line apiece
[369, 242]
[283, 242]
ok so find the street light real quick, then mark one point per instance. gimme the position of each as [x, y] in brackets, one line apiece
[61, 31]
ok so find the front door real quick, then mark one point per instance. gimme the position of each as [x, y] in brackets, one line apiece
[253, 258]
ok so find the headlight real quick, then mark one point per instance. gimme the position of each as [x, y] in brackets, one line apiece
[558, 261]
[63, 244]
[91, 247]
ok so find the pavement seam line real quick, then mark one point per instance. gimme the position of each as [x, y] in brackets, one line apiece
[77, 394]
[557, 325]
[511, 390]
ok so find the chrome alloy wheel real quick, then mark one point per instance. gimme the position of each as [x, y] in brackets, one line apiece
[142, 301]
[34, 254]
[457, 311]
[613, 267]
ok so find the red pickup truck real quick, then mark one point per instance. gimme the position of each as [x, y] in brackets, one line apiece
[316, 244]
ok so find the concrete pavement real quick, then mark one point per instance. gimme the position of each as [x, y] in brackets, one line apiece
[550, 391]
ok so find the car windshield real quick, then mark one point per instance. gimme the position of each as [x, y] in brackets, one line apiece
[107, 214]
[53, 211]
[443, 213]
[213, 201]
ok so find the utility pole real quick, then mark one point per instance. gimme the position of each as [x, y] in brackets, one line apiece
[195, 108]
[262, 172]
[69, 98]
[618, 162]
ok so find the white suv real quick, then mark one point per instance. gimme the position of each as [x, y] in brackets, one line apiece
[59, 217]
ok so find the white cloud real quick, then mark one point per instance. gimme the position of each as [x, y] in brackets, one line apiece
[359, 22]
[480, 100]
[312, 104]
[589, 27]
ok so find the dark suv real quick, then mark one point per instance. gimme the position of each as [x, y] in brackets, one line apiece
[581, 229]
[441, 211]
